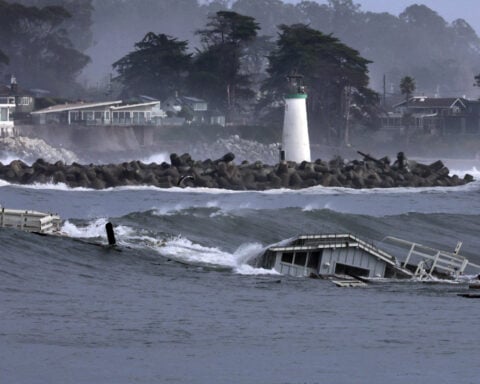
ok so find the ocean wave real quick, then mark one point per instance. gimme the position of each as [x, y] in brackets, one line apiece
[316, 190]
[184, 251]
[94, 229]
[178, 248]
[461, 173]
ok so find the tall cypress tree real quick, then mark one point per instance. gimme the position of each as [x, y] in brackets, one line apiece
[332, 72]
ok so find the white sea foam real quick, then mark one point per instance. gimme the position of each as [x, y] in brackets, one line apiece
[158, 158]
[184, 251]
[178, 249]
[8, 158]
[94, 229]
[462, 172]
[315, 207]
[316, 190]
[169, 210]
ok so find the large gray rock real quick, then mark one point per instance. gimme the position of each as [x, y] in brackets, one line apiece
[224, 173]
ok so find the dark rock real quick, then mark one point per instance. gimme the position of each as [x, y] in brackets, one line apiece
[228, 157]
[223, 173]
[295, 181]
[175, 160]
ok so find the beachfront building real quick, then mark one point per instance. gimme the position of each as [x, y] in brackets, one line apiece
[106, 113]
[434, 116]
[148, 113]
[96, 113]
[7, 107]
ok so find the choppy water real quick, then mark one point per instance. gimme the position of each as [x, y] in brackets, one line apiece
[181, 303]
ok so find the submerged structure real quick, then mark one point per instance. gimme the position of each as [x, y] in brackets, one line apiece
[30, 221]
[295, 139]
[347, 256]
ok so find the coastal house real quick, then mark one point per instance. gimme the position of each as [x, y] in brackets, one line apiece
[7, 107]
[437, 116]
[193, 110]
[106, 113]
[138, 114]
[329, 255]
[16, 104]
[88, 113]
[24, 99]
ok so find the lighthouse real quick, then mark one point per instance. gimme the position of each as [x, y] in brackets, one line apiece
[295, 140]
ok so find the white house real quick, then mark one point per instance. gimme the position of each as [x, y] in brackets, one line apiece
[7, 107]
[98, 113]
[109, 113]
[138, 114]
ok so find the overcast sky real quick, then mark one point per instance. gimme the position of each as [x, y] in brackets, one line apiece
[448, 9]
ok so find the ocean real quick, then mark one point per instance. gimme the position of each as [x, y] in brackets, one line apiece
[181, 301]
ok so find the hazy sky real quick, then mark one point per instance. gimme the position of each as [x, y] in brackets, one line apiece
[448, 9]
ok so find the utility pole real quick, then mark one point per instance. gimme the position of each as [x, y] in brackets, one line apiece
[384, 91]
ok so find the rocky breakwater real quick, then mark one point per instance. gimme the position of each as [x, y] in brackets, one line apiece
[224, 173]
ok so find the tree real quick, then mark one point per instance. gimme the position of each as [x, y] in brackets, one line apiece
[78, 25]
[216, 73]
[268, 13]
[407, 87]
[477, 81]
[333, 73]
[39, 51]
[158, 66]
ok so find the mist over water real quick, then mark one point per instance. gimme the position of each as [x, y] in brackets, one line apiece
[6, 158]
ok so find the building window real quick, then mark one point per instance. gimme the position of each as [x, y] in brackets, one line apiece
[300, 258]
[287, 257]
[87, 115]
[75, 116]
[24, 101]
[343, 269]
[314, 259]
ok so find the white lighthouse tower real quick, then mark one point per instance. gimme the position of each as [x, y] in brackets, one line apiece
[295, 140]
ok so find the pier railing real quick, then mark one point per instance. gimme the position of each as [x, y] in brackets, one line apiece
[428, 260]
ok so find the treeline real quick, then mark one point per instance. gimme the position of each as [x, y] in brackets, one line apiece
[228, 71]
[36, 45]
[237, 56]
[442, 57]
